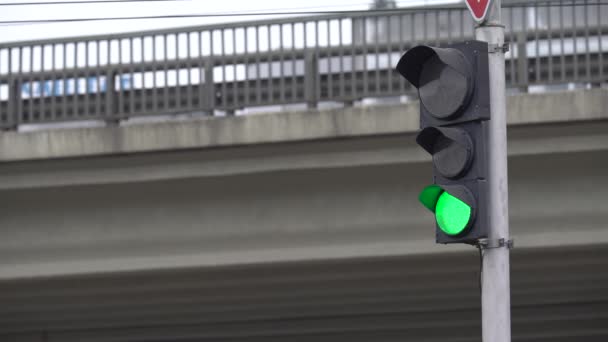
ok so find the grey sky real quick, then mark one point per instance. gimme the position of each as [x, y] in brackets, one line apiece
[41, 31]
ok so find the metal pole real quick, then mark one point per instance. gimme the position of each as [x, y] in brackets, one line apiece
[496, 297]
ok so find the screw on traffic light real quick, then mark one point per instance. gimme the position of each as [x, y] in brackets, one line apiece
[453, 87]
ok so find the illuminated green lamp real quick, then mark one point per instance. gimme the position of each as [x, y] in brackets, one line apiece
[452, 214]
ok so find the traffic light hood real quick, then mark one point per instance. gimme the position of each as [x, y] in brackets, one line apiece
[452, 149]
[428, 137]
[412, 62]
[430, 195]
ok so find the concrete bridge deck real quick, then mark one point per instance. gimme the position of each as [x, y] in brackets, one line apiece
[301, 226]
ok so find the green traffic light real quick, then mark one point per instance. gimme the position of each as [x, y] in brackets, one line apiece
[452, 214]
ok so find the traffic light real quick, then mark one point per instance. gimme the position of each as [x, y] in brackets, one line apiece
[453, 87]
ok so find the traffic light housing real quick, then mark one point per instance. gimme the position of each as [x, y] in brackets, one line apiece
[453, 87]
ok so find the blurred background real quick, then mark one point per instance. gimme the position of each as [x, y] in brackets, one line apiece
[187, 170]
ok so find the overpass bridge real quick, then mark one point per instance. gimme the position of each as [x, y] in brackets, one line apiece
[301, 226]
[298, 225]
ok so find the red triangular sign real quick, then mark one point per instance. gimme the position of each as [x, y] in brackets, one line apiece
[479, 9]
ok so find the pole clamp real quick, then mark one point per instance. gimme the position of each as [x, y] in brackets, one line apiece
[498, 48]
[499, 243]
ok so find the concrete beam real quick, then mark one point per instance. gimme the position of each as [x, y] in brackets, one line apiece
[558, 291]
[306, 214]
[524, 140]
[278, 127]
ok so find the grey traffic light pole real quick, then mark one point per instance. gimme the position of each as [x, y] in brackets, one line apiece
[495, 282]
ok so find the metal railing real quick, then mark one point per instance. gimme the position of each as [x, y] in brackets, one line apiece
[313, 59]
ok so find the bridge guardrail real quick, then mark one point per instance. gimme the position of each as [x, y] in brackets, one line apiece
[313, 59]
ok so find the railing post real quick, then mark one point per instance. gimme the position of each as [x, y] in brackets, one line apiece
[14, 96]
[209, 87]
[522, 62]
[111, 109]
[311, 71]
